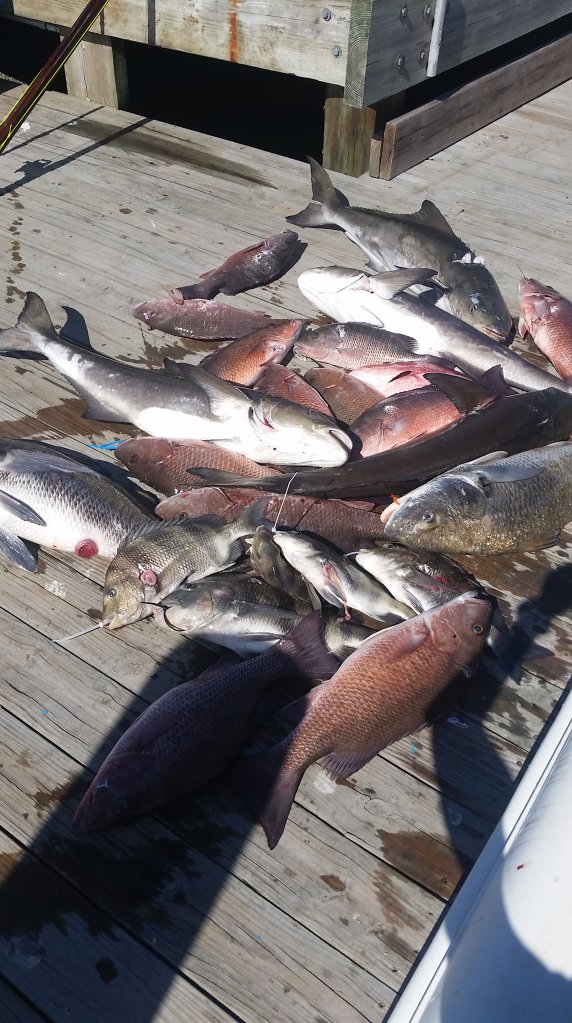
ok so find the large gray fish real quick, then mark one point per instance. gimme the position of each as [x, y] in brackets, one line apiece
[420, 579]
[492, 505]
[512, 424]
[197, 406]
[52, 500]
[337, 580]
[396, 681]
[151, 562]
[423, 238]
[350, 295]
[250, 268]
[192, 732]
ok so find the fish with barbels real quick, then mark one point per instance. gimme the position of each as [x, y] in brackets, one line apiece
[200, 318]
[196, 407]
[350, 295]
[338, 581]
[403, 417]
[493, 505]
[249, 268]
[278, 381]
[395, 682]
[420, 579]
[190, 734]
[547, 316]
[353, 345]
[512, 424]
[424, 238]
[244, 360]
[213, 612]
[269, 563]
[151, 562]
[50, 499]
[163, 464]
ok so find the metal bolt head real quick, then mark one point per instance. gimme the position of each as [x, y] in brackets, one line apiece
[427, 11]
[336, 51]
[326, 14]
[399, 61]
[403, 12]
[422, 56]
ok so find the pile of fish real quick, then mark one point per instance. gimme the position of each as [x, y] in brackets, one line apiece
[306, 523]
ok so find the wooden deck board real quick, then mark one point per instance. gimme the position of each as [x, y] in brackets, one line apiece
[187, 914]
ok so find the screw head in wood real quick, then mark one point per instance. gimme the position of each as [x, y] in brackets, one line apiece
[326, 14]
[399, 62]
[403, 12]
[336, 51]
[427, 11]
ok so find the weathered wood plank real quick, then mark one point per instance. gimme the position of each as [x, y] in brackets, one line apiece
[15, 1009]
[348, 133]
[73, 961]
[97, 71]
[292, 38]
[426, 130]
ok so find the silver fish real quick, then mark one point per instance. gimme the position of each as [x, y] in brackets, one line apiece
[193, 406]
[52, 500]
[424, 238]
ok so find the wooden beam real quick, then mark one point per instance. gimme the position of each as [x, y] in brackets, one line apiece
[419, 134]
[348, 133]
[97, 71]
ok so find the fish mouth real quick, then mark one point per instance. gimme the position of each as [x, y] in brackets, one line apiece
[496, 335]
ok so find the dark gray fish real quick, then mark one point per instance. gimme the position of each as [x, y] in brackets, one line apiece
[353, 345]
[250, 268]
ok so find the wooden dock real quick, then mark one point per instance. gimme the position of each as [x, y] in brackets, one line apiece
[186, 915]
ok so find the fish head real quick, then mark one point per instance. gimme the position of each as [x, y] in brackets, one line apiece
[477, 300]
[321, 344]
[156, 314]
[333, 290]
[192, 607]
[127, 784]
[297, 548]
[298, 435]
[461, 627]
[140, 452]
[439, 516]
[128, 591]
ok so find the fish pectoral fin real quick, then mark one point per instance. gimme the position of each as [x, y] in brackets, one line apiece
[16, 551]
[551, 542]
[341, 765]
[389, 284]
[27, 460]
[14, 506]
[174, 369]
[97, 409]
[502, 473]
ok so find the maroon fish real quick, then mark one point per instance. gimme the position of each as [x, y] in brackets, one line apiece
[394, 683]
[242, 361]
[347, 397]
[547, 317]
[344, 524]
[351, 345]
[162, 464]
[403, 417]
[279, 381]
[192, 732]
[199, 318]
[250, 268]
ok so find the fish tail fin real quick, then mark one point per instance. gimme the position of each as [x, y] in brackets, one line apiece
[305, 650]
[254, 515]
[267, 786]
[34, 324]
[326, 204]
[221, 478]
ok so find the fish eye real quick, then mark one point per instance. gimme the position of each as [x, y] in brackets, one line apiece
[132, 459]
[111, 593]
[428, 516]
[478, 630]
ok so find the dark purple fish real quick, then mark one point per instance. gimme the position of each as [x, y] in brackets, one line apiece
[191, 733]
[199, 318]
[250, 268]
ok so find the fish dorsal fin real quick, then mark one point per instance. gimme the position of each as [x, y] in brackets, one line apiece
[150, 528]
[431, 216]
[389, 284]
[465, 394]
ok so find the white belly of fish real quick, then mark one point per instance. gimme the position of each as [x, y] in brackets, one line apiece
[62, 532]
[164, 422]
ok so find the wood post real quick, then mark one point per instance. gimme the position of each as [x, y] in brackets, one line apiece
[348, 133]
[97, 71]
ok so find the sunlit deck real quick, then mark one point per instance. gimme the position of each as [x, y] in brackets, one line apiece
[186, 915]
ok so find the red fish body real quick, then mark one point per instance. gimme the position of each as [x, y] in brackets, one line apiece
[547, 317]
[250, 268]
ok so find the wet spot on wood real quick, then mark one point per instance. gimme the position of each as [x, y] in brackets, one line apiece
[424, 858]
[107, 969]
[51, 798]
[333, 882]
[124, 209]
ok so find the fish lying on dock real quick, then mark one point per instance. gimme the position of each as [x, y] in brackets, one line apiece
[200, 318]
[424, 238]
[193, 406]
[244, 360]
[191, 733]
[547, 316]
[249, 268]
[353, 345]
[62, 504]
[493, 505]
[396, 681]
